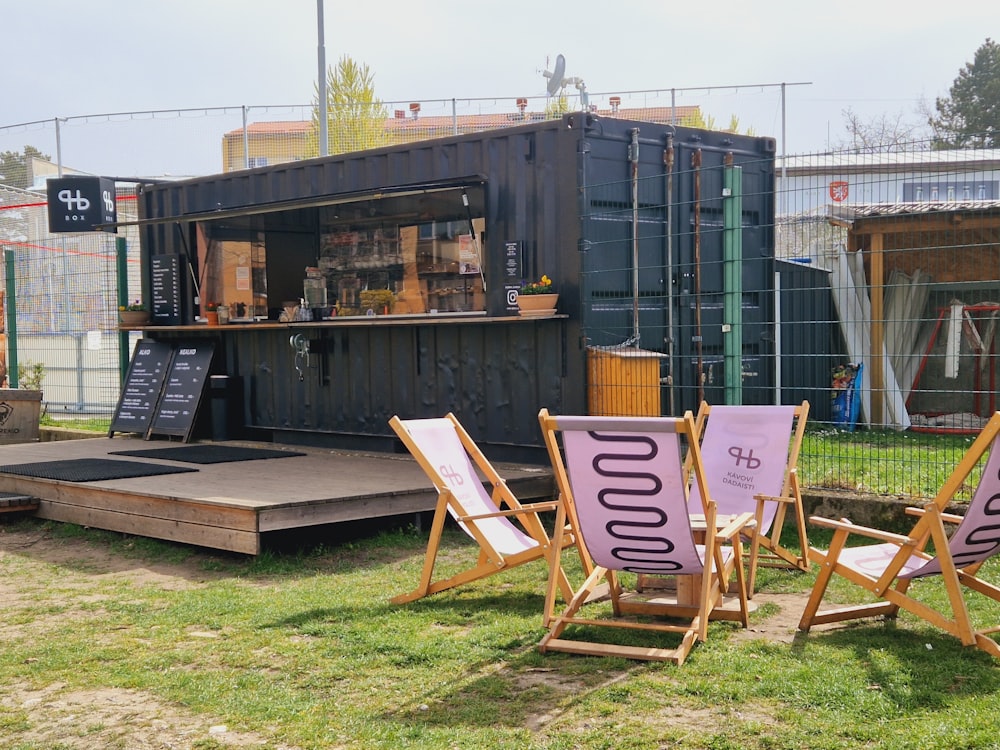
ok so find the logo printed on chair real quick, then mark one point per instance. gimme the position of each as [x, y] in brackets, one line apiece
[449, 473]
[752, 462]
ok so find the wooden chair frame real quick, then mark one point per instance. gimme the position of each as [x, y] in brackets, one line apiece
[475, 513]
[887, 568]
[710, 577]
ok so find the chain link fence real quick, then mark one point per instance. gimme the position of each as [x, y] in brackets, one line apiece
[881, 306]
[885, 295]
[180, 143]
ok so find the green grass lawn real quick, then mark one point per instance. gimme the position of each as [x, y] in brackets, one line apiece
[94, 424]
[303, 649]
[880, 462]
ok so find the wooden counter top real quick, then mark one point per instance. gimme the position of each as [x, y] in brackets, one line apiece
[347, 321]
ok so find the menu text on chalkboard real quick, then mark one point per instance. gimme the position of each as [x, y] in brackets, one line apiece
[141, 392]
[165, 286]
[186, 379]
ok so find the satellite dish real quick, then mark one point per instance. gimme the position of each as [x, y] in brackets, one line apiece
[556, 76]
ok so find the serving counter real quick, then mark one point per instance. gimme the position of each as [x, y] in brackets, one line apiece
[337, 382]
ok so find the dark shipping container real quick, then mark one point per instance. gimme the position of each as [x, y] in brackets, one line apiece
[629, 219]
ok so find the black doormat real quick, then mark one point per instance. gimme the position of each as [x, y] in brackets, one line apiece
[90, 469]
[208, 454]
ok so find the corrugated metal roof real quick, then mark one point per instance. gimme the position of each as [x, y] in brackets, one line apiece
[845, 214]
[924, 207]
[849, 162]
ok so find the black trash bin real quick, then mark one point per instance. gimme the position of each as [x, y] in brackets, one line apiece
[226, 402]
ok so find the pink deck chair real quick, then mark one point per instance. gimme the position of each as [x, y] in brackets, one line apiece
[622, 486]
[887, 568]
[750, 455]
[449, 457]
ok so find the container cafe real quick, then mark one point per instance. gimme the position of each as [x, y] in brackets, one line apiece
[386, 282]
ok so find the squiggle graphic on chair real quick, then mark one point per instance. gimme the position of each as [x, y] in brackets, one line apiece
[975, 540]
[624, 499]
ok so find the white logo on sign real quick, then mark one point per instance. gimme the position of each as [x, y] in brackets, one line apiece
[109, 203]
[67, 197]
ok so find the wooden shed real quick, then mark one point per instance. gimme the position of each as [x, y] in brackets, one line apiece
[933, 276]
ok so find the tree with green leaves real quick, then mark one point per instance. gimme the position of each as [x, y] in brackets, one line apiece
[556, 106]
[698, 120]
[355, 116]
[14, 166]
[970, 116]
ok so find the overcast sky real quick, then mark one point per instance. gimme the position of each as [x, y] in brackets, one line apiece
[68, 58]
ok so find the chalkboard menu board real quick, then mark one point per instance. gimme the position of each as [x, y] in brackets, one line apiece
[147, 373]
[165, 286]
[182, 391]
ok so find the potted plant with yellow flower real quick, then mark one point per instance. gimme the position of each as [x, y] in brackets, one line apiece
[133, 314]
[537, 299]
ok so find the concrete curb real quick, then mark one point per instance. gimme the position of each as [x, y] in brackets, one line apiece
[878, 511]
[49, 434]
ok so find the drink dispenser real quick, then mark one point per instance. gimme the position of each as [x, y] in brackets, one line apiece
[315, 296]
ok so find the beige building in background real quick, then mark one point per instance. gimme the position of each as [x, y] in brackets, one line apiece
[269, 143]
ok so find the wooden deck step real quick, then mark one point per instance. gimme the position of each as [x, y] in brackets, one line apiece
[11, 501]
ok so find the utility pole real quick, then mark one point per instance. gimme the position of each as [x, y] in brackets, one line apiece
[324, 136]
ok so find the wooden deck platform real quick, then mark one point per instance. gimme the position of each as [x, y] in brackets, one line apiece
[231, 506]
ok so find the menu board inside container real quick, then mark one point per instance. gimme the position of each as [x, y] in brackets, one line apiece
[183, 389]
[165, 285]
[147, 373]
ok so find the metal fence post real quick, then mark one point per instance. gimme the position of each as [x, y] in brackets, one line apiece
[732, 241]
[121, 261]
[9, 255]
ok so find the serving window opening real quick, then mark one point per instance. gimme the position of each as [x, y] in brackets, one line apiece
[413, 252]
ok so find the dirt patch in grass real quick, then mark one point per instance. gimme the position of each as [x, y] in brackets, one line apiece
[57, 716]
[779, 627]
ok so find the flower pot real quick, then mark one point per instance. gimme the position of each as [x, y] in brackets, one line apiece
[133, 318]
[537, 305]
[212, 317]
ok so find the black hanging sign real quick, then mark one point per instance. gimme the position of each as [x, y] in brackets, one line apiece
[513, 273]
[82, 203]
[178, 406]
[141, 392]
